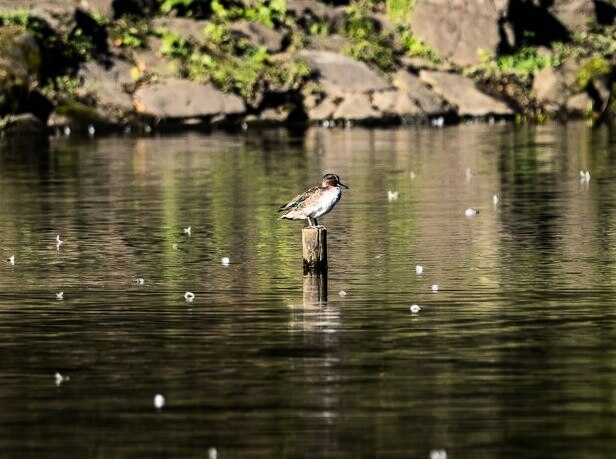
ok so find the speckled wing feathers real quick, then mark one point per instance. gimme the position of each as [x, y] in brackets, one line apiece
[298, 200]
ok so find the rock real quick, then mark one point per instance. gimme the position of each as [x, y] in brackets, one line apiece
[189, 29]
[356, 107]
[260, 35]
[463, 94]
[108, 83]
[340, 74]
[173, 98]
[458, 29]
[309, 12]
[323, 111]
[270, 116]
[78, 116]
[333, 43]
[149, 60]
[579, 105]
[24, 125]
[20, 56]
[394, 103]
[20, 63]
[575, 15]
[550, 89]
[427, 101]
[102, 8]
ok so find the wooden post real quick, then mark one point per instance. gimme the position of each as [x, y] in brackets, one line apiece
[314, 241]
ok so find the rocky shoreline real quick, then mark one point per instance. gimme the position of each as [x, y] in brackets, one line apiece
[132, 65]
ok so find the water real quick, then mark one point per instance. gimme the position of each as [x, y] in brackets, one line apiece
[514, 355]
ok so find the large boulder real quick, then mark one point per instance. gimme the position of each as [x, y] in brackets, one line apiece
[428, 102]
[459, 29]
[396, 104]
[575, 15]
[339, 74]
[577, 87]
[108, 84]
[173, 99]
[550, 89]
[463, 94]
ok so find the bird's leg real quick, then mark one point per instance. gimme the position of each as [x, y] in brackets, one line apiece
[312, 221]
[315, 222]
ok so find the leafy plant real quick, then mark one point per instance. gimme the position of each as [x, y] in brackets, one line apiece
[523, 64]
[174, 45]
[129, 34]
[367, 44]
[371, 52]
[595, 67]
[414, 47]
[399, 10]
[268, 13]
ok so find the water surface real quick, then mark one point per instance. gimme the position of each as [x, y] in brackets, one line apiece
[513, 356]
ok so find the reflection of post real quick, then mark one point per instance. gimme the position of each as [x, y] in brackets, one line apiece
[315, 289]
[314, 241]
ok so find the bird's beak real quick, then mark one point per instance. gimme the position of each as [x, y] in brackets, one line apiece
[342, 184]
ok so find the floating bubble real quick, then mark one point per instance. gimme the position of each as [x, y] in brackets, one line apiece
[438, 454]
[415, 308]
[418, 269]
[392, 195]
[159, 401]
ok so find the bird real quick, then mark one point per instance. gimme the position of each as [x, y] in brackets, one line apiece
[314, 202]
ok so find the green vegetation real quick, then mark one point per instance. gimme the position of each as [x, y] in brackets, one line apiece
[367, 43]
[399, 10]
[128, 33]
[522, 65]
[233, 65]
[595, 67]
[66, 49]
[414, 47]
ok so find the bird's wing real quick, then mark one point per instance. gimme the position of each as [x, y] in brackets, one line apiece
[298, 200]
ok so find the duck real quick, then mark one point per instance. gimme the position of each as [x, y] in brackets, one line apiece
[314, 202]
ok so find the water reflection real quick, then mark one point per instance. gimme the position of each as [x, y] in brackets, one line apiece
[512, 355]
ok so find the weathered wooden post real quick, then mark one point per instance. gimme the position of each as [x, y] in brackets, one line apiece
[314, 242]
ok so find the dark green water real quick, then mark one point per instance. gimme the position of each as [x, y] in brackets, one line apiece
[514, 356]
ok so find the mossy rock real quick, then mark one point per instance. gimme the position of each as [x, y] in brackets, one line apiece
[20, 62]
[77, 115]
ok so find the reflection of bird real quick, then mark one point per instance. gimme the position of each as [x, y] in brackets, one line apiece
[315, 202]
